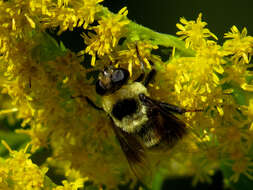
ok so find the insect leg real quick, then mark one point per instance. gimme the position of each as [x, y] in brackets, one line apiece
[172, 108]
[89, 101]
[140, 78]
[150, 77]
[139, 57]
[93, 104]
[176, 109]
[151, 73]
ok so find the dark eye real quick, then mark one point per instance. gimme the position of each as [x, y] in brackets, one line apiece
[119, 75]
[100, 89]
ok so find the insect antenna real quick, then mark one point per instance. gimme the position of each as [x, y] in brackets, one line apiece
[194, 110]
[139, 57]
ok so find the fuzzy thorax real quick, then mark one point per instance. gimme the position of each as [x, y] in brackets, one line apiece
[130, 123]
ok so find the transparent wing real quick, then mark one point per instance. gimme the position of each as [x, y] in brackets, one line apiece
[135, 154]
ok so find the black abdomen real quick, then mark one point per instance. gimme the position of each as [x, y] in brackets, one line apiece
[124, 107]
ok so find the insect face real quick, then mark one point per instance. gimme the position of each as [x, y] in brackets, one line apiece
[111, 79]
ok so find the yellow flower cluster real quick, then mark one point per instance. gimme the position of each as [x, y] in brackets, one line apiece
[198, 82]
[48, 88]
[194, 33]
[108, 33]
[70, 186]
[135, 54]
[44, 90]
[240, 46]
[70, 14]
[208, 81]
[18, 172]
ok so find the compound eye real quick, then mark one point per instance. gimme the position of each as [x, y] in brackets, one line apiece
[100, 89]
[118, 76]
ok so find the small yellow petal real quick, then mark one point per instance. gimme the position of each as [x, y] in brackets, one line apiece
[203, 98]
[130, 68]
[6, 145]
[13, 24]
[65, 80]
[247, 87]
[220, 110]
[93, 60]
[7, 111]
[31, 22]
[251, 127]
[228, 91]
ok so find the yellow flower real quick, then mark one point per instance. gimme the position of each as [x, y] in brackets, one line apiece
[63, 2]
[44, 93]
[108, 33]
[21, 172]
[194, 33]
[242, 166]
[131, 57]
[74, 182]
[39, 136]
[16, 19]
[4, 177]
[197, 82]
[70, 14]
[240, 46]
[70, 185]
[248, 110]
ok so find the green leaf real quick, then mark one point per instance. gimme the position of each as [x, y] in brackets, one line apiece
[239, 96]
[14, 140]
[47, 49]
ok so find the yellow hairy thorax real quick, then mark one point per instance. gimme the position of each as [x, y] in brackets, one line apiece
[130, 123]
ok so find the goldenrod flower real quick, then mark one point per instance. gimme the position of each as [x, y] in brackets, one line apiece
[15, 22]
[108, 33]
[138, 53]
[240, 46]
[242, 166]
[70, 185]
[19, 172]
[198, 80]
[194, 32]
[48, 86]
[71, 14]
